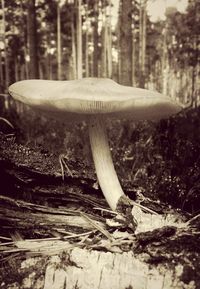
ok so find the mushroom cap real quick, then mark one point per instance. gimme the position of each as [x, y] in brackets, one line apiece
[90, 96]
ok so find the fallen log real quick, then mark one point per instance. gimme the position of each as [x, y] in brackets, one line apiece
[152, 260]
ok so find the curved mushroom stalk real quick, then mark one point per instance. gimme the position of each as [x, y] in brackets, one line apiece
[104, 166]
[95, 98]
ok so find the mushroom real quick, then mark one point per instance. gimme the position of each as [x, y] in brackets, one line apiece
[94, 100]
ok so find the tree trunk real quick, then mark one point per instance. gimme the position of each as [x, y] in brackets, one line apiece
[64, 265]
[23, 23]
[106, 51]
[6, 61]
[194, 71]
[16, 70]
[95, 39]
[32, 39]
[59, 47]
[165, 63]
[86, 43]
[126, 42]
[1, 72]
[109, 42]
[79, 39]
[103, 51]
[142, 42]
[49, 72]
[73, 56]
[133, 57]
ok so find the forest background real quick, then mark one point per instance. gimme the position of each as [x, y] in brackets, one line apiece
[73, 39]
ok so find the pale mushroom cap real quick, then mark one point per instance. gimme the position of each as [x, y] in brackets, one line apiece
[89, 96]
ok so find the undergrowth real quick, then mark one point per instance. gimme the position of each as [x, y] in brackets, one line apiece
[161, 160]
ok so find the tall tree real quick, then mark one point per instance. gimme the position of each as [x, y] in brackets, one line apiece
[79, 38]
[6, 61]
[104, 40]
[32, 39]
[125, 30]
[182, 49]
[95, 38]
[59, 46]
[107, 38]
[73, 49]
[86, 41]
[142, 42]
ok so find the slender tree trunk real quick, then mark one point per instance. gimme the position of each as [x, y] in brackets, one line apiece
[86, 43]
[106, 52]
[109, 42]
[133, 57]
[6, 60]
[142, 42]
[1, 71]
[95, 39]
[194, 71]
[86, 55]
[126, 42]
[59, 47]
[16, 70]
[22, 72]
[79, 39]
[119, 48]
[104, 42]
[23, 23]
[48, 55]
[73, 56]
[26, 64]
[165, 64]
[32, 39]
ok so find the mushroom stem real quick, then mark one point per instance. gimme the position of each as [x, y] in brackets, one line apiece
[105, 170]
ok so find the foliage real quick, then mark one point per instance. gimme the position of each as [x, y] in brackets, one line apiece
[183, 34]
[162, 161]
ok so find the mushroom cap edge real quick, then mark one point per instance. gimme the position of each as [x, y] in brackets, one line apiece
[90, 96]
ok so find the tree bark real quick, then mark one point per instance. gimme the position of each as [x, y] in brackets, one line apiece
[79, 39]
[95, 39]
[32, 39]
[73, 47]
[142, 42]
[86, 42]
[64, 265]
[59, 46]
[106, 52]
[165, 62]
[133, 57]
[109, 44]
[126, 42]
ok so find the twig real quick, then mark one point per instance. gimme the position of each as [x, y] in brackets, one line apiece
[5, 238]
[64, 164]
[98, 227]
[144, 208]
[192, 219]
[61, 238]
[106, 210]
[6, 121]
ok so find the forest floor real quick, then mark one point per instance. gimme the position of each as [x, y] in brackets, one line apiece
[37, 206]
